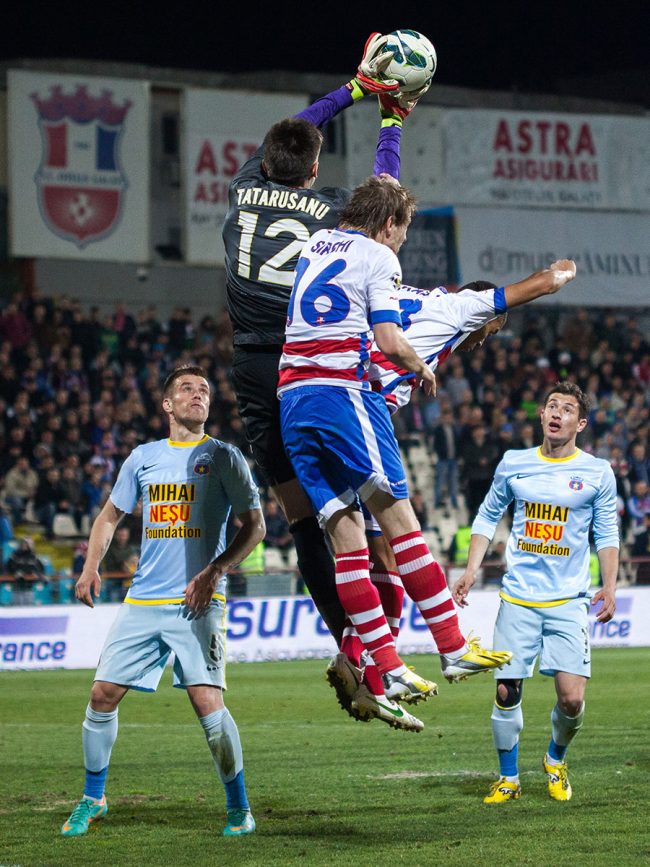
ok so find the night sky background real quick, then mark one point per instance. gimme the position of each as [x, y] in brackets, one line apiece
[505, 45]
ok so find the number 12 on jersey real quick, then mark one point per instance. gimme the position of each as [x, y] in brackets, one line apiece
[271, 270]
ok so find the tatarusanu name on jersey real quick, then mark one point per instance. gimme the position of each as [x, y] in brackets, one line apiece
[292, 200]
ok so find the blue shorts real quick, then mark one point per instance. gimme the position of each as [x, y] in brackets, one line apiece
[341, 444]
[557, 634]
[142, 637]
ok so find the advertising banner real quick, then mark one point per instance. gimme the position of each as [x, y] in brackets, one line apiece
[612, 251]
[512, 159]
[78, 167]
[277, 628]
[223, 128]
[543, 160]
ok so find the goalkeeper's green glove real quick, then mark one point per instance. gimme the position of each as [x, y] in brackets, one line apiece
[393, 108]
[373, 63]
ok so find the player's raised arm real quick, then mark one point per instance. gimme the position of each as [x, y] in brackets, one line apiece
[545, 282]
[368, 79]
[101, 534]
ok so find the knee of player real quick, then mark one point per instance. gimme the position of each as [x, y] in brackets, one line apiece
[571, 705]
[105, 696]
[509, 693]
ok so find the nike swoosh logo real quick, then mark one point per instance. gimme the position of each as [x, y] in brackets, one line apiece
[149, 467]
[399, 713]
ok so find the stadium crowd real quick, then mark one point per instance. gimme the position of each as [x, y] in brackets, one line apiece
[79, 389]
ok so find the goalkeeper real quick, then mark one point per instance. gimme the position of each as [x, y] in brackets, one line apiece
[273, 210]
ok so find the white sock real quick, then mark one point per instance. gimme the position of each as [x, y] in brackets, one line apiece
[456, 654]
[554, 762]
[396, 672]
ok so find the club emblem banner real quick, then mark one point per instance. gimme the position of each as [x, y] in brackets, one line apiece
[79, 167]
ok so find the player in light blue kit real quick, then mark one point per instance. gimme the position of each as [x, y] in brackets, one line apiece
[188, 484]
[559, 492]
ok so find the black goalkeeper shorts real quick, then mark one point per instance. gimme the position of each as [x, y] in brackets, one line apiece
[255, 380]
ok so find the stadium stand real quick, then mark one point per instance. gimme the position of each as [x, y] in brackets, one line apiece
[79, 389]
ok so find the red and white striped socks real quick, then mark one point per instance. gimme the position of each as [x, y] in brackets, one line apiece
[361, 602]
[425, 583]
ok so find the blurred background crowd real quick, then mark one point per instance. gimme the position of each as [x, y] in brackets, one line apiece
[79, 389]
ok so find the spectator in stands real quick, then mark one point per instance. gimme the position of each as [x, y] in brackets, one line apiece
[479, 460]
[50, 499]
[445, 445]
[119, 563]
[25, 568]
[15, 327]
[638, 507]
[420, 509]
[495, 564]
[459, 547]
[92, 490]
[277, 530]
[6, 534]
[456, 385]
[179, 329]
[73, 494]
[122, 555]
[20, 487]
[79, 558]
[639, 464]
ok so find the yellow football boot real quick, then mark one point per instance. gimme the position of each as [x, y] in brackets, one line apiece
[476, 660]
[501, 791]
[559, 787]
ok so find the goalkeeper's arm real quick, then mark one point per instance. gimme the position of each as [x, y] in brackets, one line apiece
[367, 80]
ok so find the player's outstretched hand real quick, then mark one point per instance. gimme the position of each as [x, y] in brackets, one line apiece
[373, 63]
[461, 589]
[384, 176]
[563, 271]
[608, 599]
[88, 584]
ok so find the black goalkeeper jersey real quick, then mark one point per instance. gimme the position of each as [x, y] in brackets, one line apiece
[265, 229]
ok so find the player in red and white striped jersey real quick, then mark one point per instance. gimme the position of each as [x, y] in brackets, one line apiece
[437, 323]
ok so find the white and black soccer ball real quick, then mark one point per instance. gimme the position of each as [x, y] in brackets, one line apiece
[414, 61]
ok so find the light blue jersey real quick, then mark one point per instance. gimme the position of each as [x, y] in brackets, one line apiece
[556, 501]
[187, 492]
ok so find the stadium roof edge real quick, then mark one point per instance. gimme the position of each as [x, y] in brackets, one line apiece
[314, 83]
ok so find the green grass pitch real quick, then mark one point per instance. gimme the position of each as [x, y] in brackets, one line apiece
[324, 789]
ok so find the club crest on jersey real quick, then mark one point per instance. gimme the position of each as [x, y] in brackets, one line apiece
[202, 465]
[576, 483]
[80, 182]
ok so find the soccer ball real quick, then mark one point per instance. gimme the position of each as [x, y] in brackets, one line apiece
[414, 61]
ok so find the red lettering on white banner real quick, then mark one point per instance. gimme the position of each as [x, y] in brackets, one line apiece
[543, 136]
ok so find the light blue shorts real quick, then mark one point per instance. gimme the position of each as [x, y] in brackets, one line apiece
[342, 444]
[142, 637]
[558, 635]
